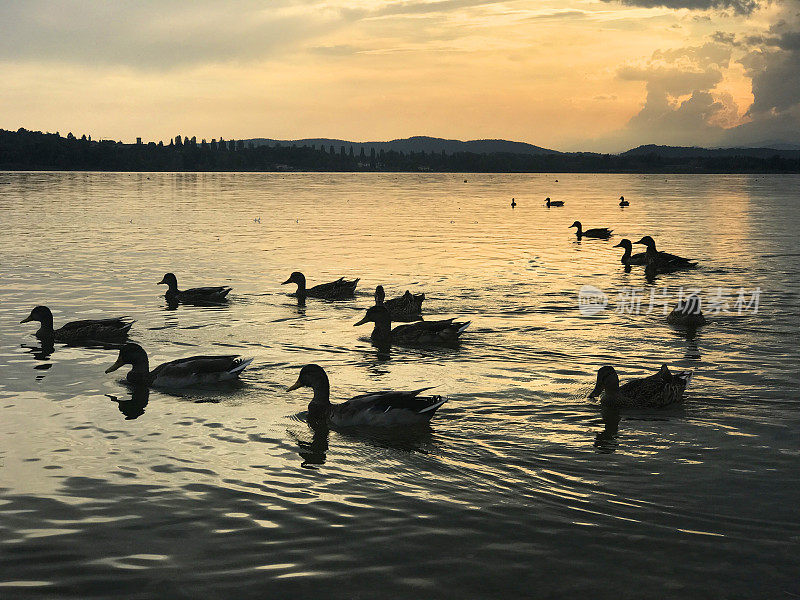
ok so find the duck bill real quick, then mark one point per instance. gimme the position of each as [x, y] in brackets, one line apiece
[641, 241]
[26, 319]
[287, 281]
[295, 386]
[618, 245]
[115, 366]
[361, 322]
[598, 389]
[161, 282]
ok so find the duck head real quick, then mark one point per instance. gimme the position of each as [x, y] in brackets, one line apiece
[41, 314]
[170, 281]
[316, 378]
[131, 354]
[607, 381]
[647, 241]
[578, 225]
[624, 243]
[380, 296]
[375, 314]
[298, 278]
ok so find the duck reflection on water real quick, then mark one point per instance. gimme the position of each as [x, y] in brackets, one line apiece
[133, 407]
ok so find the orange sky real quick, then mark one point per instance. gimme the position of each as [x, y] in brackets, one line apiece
[566, 74]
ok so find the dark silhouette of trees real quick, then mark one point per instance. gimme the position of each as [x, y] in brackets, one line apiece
[34, 150]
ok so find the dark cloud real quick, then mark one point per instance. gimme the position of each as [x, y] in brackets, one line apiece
[743, 7]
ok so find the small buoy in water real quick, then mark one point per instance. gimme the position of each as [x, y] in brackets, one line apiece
[465, 181]
[513, 204]
[556, 180]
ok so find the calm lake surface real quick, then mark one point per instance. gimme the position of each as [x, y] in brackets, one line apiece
[513, 489]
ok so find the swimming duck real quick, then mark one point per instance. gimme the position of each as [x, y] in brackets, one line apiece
[687, 313]
[422, 333]
[335, 290]
[554, 202]
[184, 372]
[513, 203]
[375, 408]
[85, 331]
[193, 295]
[623, 202]
[663, 262]
[599, 232]
[403, 308]
[640, 258]
[654, 391]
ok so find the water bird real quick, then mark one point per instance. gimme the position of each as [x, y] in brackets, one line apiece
[403, 308]
[86, 331]
[687, 313]
[598, 232]
[655, 391]
[513, 203]
[335, 290]
[550, 203]
[445, 331]
[211, 294]
[640, 258]
[184, 372]
[385, 408]
[623, 202]
[663, 262]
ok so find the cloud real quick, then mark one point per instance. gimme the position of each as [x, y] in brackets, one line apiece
[742, 7]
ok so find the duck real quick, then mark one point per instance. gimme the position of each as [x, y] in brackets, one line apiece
[403, 308]
[554, 202]
[86, 331]
[599, 232]
[513, 203]
[640, 258]
[335, 290]
[623, 202]
[200, 295]
[184, 372]
[655, 391]
[382, 409]
[446, 331]
[687, 313]
[663, 262]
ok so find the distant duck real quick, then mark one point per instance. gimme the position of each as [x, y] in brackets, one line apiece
[381, 409]
[640, 258]
[687, 313]
[663, 262]
[655, 391]
[403, 308]
[513, 203]
[200, 295]
[599, 232]
[335, 290]
[445, 331]
[85, 331]
[623, 202]
[550, 203]
[184, 372]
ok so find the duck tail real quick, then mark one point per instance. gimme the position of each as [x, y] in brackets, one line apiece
[463, 327]
[241, 365]
[686, 376]
[432, 408]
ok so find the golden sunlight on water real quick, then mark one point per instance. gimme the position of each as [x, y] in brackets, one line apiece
[513, 481]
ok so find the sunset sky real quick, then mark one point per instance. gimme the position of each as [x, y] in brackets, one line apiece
[565, 74]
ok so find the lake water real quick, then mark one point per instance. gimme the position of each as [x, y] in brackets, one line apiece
[229, 494]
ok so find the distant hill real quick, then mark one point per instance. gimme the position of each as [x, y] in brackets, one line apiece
[418, 143]
[785, 151]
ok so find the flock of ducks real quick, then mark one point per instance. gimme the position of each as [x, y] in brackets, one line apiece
[376, 408]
